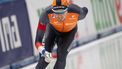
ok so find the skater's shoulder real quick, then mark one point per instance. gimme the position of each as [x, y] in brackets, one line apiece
[74, 8]
[48, 9]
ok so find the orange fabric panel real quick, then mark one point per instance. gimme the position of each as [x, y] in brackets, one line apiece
[63, 2]
[54, 3]
[68, 24]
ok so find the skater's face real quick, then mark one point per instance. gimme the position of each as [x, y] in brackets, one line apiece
[61, 17]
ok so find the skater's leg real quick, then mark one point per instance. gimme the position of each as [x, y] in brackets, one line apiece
[63, 44]
[41, 63]
[49, 39]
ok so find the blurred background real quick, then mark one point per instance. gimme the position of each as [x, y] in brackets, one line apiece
[97, 45]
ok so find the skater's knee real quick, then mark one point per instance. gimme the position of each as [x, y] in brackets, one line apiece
[62, 53]
[62, 57]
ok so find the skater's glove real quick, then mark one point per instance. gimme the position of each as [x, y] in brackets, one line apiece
[41, 50]
[48, 56]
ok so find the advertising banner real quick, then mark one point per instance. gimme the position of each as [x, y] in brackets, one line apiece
[106, 14]
[15, 33]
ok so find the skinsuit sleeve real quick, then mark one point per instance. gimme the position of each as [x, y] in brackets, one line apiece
[41, 29]
[82, 11]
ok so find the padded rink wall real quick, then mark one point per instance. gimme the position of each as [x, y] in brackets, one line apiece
[105, 53]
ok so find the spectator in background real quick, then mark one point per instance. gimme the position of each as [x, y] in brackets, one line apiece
[59, 24]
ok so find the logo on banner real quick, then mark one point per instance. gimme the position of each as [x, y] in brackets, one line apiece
[119, 9]
[9, 33]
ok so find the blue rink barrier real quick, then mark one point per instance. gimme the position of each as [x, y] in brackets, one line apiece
[15, 34]
[5, 67]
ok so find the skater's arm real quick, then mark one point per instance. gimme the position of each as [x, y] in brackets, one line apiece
[41, 29]
[82, 11]
[40, 34]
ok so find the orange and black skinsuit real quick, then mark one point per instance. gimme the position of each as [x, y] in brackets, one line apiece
[61, 33]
